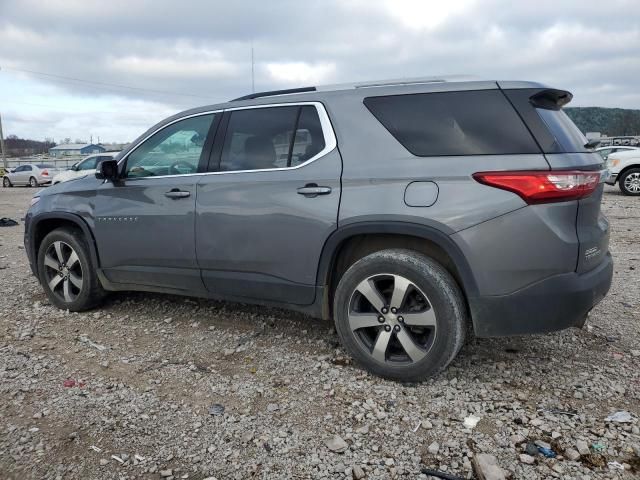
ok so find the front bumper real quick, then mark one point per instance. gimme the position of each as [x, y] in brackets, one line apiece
[611, 179]
[556, 303]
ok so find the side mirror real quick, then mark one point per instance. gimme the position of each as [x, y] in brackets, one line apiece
[107, 170]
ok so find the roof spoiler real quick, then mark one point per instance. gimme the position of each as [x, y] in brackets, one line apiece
[550, 99]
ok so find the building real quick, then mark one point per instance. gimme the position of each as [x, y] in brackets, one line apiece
[78, 149]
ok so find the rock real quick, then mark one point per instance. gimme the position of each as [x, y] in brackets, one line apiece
[229, 351]
[247, 437]
[578, 394]
[362, 430]
[336, 444]
[273, 407]
[103, 462]
[434, 448]
[543, 444]
[357, 473]
[487, 468]
[517, 439]
[528, 459]
[166, 473]
[571, 454]
[635, 353]
[582, 447]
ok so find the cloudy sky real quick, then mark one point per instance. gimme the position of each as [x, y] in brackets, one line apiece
[76, 68]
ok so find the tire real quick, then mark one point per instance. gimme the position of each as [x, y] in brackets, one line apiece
[61, 284]
[6, 183]
[33, 182]
[431, 320]
[629, 183]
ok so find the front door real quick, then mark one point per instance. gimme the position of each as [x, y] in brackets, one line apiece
[270, 203]
[145, 222]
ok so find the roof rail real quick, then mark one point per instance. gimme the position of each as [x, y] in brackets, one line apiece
[271, 93]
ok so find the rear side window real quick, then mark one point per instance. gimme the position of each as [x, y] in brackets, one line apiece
[480, 122]
[272, 137]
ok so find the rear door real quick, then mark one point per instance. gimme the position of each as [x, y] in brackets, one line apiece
[144, 222]
[269, 203]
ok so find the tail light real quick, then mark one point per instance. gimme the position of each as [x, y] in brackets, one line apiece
[45, 173]
[543, 186]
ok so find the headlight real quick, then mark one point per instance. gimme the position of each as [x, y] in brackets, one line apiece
[34, 200]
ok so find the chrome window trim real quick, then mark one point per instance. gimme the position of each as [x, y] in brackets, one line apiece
[330, 141]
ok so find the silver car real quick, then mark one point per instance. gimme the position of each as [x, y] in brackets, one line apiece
[31, 175]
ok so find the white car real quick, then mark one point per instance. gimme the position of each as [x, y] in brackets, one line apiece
[624, 168]
[84, 167]
[30, 175]
[606, 151]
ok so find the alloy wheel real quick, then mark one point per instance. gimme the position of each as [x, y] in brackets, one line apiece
[632, 182]
[63, 271]
[392, 319]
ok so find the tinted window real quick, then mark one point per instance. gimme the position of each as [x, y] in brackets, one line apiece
[564, 130]
[453, 123]
[45, 165]
[174, 150]
[27, 168]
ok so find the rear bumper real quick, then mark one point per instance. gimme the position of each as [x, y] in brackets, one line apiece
[556, 303]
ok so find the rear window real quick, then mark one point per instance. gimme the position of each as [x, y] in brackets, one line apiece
[552, 128]
[479, 122]
[562, 127]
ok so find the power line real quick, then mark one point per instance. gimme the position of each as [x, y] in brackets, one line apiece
[62, 78]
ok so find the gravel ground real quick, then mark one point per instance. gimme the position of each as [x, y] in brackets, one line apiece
[126, 391]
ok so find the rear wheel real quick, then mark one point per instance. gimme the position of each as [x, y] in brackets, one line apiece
[33, 182]
[6, 182]
[400, 314]
[629, 183]
[66, 271]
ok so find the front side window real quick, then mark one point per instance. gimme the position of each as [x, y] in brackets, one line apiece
[273, 137]
[174, 150]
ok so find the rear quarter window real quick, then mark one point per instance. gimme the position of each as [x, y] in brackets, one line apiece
[479, 122]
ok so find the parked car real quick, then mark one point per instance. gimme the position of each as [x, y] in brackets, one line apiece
[624, 169]
[606, 151]
[85, 167]
[30, 175]
[406, 212]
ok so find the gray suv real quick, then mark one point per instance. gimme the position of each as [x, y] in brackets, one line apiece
[407, 212]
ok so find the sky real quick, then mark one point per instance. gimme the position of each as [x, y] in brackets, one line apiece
[85, 69]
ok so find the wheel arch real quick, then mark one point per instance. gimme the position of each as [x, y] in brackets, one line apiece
[45, 223]
[351, 242]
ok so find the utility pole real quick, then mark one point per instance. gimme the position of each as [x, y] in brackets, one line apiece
[4, 153]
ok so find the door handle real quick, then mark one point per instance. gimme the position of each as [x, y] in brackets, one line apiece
[313, 190]
[175, 193]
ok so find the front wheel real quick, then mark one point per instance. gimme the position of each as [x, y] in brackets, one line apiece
[66, 271]
[400, 314]
[630, 182]
[6, 183]
[33, 182]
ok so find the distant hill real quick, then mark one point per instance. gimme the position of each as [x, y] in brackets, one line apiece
[608, 121]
